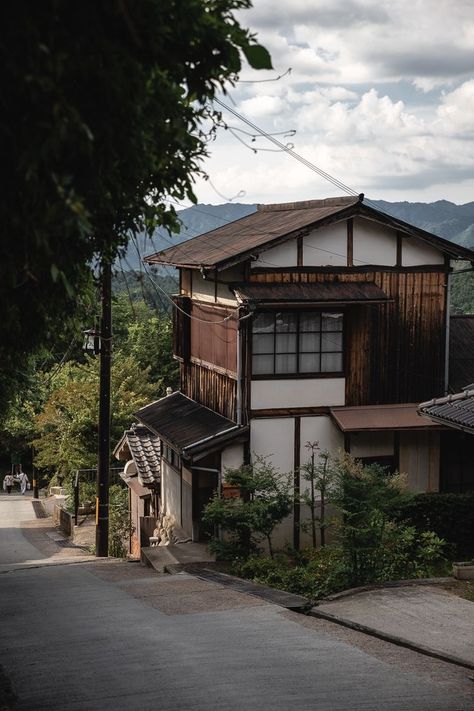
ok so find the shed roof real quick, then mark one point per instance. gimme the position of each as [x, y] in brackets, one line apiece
[453, 410]
[271, 224]
[187, 425]
[144, 448]
[328, 293]
[372, 418]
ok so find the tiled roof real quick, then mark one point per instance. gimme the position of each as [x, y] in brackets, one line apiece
[453, 410]
[144, 448]
[272, 224]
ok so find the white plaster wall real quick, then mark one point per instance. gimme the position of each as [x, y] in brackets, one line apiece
[171, 488]
[322, 430]
[311, 392]
[416, 252]
[326, 246]
[372, 444]
[204, 290]
[283, 255]
[275, 438]
[373, 243]
[232, 457]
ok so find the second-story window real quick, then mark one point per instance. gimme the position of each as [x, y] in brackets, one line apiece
[297, 342]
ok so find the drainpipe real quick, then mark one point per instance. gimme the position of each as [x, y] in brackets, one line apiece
[446, 348]
[239, 376]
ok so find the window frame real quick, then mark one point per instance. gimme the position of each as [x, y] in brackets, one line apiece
[306, 374]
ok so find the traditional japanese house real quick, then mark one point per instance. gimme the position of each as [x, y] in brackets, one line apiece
[324, 320]
[140, 449]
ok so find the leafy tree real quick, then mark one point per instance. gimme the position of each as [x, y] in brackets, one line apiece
[374, 545]
[264, 501]
[104, 112]
[147, 336]
[67, 426]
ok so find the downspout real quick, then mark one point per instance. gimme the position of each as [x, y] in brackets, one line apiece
[446, 346]
[239, 376]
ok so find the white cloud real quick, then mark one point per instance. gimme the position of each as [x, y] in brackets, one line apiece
[381, 95]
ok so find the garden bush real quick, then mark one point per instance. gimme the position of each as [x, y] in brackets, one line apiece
[450, 516]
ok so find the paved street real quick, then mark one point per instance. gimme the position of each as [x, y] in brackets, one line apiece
[98, 635]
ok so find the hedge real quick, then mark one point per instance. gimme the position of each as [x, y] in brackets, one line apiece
[451, 516]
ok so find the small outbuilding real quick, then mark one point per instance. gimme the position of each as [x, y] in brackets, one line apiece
[140, 449]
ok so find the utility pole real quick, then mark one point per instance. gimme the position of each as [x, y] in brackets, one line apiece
[102, 502]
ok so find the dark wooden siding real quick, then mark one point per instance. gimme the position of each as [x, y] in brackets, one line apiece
[213, 340]
[181, 327]
[395, 351]
[210, 388]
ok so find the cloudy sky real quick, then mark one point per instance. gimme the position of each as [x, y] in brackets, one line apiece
[380, 94]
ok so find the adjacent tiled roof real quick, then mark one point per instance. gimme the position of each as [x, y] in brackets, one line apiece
[461, 352]
[336, 292]
[185, 424]
[372, 418]
[453, 410]
[272, 224]
[144, 448]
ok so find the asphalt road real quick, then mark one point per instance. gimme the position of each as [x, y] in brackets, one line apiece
[105, 635]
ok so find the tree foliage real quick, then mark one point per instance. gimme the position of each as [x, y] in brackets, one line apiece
[66, 428]
[264, 502]
[103, 112]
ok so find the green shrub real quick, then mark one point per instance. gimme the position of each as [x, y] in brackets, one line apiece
[450, 516]
[311, 573]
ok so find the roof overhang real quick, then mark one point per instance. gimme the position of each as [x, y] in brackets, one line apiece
[132, 482]
[189, 427]
[336, 293]
[379, 418]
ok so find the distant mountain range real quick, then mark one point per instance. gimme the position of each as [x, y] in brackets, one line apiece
[443, 218]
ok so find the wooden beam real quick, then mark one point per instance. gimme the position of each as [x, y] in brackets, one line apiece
[299, 248]
[350, 242]
[290, 412]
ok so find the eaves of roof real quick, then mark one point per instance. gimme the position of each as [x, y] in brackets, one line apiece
[452, 410]
[273, 224]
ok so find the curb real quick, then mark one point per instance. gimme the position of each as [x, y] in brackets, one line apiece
[399, 641]
[410, 582]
